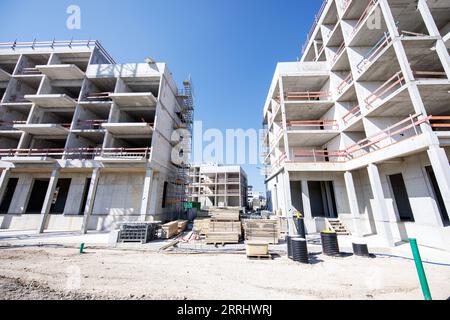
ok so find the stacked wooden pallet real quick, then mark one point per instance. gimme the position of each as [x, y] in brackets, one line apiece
[201, 226]
[182, 225]
[224, 226]
[169, 230]
[262, 230]
[225, 214]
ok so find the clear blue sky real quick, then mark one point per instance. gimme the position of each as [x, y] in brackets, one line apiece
[230, 47]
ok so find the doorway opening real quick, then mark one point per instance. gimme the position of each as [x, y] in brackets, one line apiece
[323, 199]
[60, 196]
[401, 198]
[9, 193]
[438, 196]
[37, 196]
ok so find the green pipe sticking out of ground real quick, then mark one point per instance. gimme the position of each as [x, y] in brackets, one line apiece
[82, 248]
[420, 270]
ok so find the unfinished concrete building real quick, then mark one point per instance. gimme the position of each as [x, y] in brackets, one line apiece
[358, 130]
[215, 186]
[85, 142]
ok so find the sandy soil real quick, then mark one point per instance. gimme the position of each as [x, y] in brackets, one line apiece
[61, 273]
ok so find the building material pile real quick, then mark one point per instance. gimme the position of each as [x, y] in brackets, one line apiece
[137, 232]
[201, 226]
[262, 230]
[169, 230]
[224, 227]
[182, 225]
[225, 214]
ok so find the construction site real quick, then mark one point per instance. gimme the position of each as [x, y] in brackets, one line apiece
[99, 199]
[358, 129]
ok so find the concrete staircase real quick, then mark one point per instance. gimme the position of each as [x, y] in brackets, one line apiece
[337, 226]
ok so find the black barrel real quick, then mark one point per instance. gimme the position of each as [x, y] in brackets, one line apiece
[289, 245]
[360, 249]
[330, 245]
[300, 250]
[300, 224]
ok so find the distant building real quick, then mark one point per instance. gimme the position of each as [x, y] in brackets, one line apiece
[218, 186]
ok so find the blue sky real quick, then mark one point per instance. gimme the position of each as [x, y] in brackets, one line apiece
[229, 47]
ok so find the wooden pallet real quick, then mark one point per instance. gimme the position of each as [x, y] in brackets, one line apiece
[262, 257]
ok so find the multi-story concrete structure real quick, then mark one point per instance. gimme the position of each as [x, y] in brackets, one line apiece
[218, 186]
[359, 128]
[85, 142]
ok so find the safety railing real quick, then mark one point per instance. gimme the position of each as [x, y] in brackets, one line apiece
[30, 71]
[373, 53]
[338, 52]
[57, 44]
[307, 96]
[278, 163]
[321, 155]
[353, 113]
[314, 25]
[320, 52]
[9, 125]
[17, 99]
[79, 153]
[370, 6]
[389, 136]
[347, 82]
[429, 75]
[90, 124]
[440, 123]
[313, 125]
[397, 130]
[395, 82]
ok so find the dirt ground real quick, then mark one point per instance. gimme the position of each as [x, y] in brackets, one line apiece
[62, 273]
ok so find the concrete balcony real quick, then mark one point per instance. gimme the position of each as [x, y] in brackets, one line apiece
[134, 99]
[52, 100]
[61, 71]
[129, 128]
[312, 132]
[441, 127]
[4, 76]
[44, 129]
[400, 139]
[113, 155]
[123, 155]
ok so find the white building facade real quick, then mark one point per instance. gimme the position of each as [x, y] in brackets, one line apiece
[359, 128]
[86, 143]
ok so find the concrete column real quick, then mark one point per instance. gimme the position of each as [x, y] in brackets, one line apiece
[288, 202]
[307, 213]
[146, 193]
[4, 178]
[48, 199]
[283, 116]
[90, 199]
[353, 202]
[380, 210]
[440, 163]
[441, 49]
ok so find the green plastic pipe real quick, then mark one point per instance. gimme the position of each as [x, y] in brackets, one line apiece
[82, 248]
[420, 270]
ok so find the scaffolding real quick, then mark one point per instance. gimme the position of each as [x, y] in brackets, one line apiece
[180, 180]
